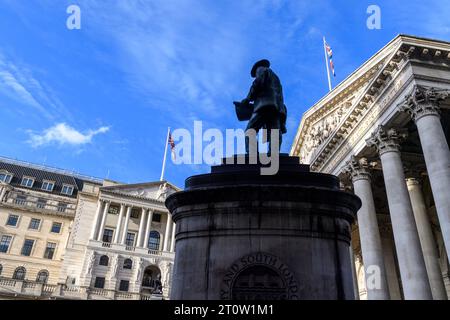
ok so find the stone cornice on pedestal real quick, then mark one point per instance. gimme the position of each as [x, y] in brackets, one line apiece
[422, 101]
[373, 86]
[386, 140]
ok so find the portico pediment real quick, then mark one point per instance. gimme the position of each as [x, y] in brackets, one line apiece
[158, 191]
[368, 90]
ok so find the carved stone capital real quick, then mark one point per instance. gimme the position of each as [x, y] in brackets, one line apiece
[413, 181]
[423, 101]
[359, 169]
[386, 140]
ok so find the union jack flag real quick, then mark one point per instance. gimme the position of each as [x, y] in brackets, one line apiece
[172, 146]
[330, 57]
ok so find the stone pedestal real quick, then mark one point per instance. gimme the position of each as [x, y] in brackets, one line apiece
[242, 235]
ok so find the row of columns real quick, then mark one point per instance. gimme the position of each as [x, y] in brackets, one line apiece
[120, 235]
[415, 245]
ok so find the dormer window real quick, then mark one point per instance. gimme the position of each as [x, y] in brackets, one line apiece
[5, 176]
[48, 185]
[27, 182]
[67, 189]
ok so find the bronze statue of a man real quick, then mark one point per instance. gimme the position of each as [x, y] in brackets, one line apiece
[267, 110]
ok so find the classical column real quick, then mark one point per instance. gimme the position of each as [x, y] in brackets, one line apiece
[423, 106]
[96, 220]
[411, 262]
[102, 224]
[125, 226]
[372, 252]
[392, 275]
[148, 227]
[355, 276]
[119, 223]
[429, 247]
[141, 228]
[167, 233]
[172, 241]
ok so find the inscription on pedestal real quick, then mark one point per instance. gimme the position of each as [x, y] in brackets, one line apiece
[259, 276]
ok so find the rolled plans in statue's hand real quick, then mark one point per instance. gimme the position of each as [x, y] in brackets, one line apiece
[243, 110]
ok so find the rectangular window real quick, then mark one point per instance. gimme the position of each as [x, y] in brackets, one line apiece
[5, 243]
[113, 210]
[27, 247]
[99, 282]
[67, 189]
[41, 203]
[47, 185]
[12, 220]
[62, 207]
[124, 285]
[27, 182]
[156, 217]
[5, 177]
[130, 239]
[20, 199]
[56, 227]
[135, 213]
[50, 250]
[34, 224]
[108, 235]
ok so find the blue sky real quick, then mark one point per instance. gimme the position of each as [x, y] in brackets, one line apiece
[99, 100]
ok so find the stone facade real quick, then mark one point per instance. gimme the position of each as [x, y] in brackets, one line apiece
[114, 241]
[384, 131]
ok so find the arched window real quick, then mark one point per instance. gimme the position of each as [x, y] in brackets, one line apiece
[128, 264]
[104, 260]
[153, 240]
[42, 276]
[19, 273]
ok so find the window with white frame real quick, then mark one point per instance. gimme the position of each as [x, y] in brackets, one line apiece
[5, 242]
[124, 285]
[41, 203]
[154, 240]
[27, 182]
[12, 221]
[56, 227]
[48, 185]
[99, 282]
[129, 241]
[27, 247]
[20, 273]
[62, 207]
[5, 176]
[42, 276]
[113, 209]
[34, 224]
[50, 250]
[20, 199]
[67, 189]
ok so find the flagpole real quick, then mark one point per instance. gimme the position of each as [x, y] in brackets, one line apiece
[165, 155]
[326, 63]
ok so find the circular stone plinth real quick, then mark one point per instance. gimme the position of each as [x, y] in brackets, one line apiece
[242, 235]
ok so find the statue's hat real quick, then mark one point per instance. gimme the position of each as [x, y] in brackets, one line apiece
[260, 63]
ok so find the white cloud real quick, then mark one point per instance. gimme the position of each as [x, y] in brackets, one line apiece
[18, 83]
[64, 134]
[199, 60]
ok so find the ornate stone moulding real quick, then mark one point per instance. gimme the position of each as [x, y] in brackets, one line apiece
[422, 101]
[388, 69]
